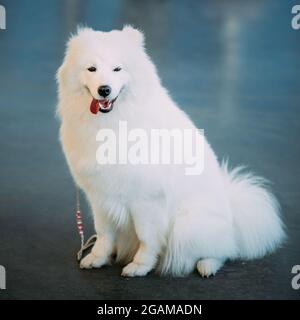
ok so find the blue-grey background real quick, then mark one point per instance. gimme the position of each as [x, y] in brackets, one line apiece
[233, 66]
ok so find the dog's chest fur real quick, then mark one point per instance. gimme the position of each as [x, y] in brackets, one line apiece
[115, 181]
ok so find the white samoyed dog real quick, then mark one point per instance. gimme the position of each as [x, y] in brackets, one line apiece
[152, 216]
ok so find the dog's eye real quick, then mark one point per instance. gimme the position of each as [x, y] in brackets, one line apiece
[92, 69]
[117, 69]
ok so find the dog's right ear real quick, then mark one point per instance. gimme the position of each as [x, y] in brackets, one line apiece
[62, 70]
[81, 30]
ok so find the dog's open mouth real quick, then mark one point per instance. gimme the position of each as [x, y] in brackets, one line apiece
[103, 105]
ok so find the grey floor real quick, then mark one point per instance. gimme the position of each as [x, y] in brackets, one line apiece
[233, 66]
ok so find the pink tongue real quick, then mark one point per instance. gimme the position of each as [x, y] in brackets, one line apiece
[94, 106]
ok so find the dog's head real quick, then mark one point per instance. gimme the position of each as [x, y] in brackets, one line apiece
[98, 64]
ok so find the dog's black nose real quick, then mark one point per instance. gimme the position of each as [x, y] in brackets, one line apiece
[104, 91]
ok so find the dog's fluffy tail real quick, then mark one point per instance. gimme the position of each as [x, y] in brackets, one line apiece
[256, 227]
[256, 214]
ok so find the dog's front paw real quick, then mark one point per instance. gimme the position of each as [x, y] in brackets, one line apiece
[135, 270]
[208, 267]
[92, 261]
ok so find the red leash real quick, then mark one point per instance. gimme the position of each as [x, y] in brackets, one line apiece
[91, 241]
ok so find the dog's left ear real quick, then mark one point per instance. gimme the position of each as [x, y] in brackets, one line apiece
[134, 34]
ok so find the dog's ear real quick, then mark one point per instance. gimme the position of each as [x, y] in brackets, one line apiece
[134, 34]
[62, 70]
[81, 30]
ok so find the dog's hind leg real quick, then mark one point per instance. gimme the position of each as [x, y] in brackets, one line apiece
[201, 236]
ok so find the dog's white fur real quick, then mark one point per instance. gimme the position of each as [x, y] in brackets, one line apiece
[153, 216]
